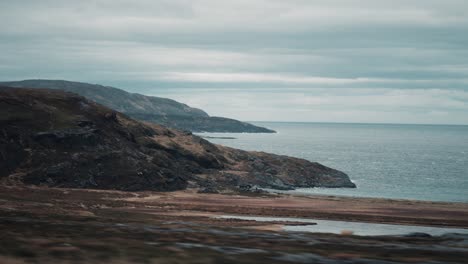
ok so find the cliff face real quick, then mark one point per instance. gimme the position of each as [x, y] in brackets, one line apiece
[56, 138]
[157, 110]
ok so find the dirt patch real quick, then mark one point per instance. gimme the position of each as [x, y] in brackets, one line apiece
[47, 225]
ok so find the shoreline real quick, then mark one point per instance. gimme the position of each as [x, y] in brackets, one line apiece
[321, 207]
[52, 225]
[306, 194]
[352, 209]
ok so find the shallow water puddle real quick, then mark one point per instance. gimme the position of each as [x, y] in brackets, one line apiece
[357, 228]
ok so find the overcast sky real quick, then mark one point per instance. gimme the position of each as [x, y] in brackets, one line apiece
[399, 61]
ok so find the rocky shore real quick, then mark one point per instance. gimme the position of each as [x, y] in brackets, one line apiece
[60, 139]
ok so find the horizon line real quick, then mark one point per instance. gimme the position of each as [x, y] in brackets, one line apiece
[353, 123]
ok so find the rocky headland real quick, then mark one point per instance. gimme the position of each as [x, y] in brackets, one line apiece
[163, 111]
[60, 139]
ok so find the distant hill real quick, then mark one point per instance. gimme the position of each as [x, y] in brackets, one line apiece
[153, 109]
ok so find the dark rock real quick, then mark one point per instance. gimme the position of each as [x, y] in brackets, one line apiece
[72, 136]
[59, 139]
[418, 235]
[111, 116]
[245, 187]
[84, 123]
[210, 189]
[250, 188]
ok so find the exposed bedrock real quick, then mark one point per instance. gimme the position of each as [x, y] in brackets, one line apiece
[60, 139]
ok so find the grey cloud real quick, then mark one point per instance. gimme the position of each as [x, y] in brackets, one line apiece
[154, 46]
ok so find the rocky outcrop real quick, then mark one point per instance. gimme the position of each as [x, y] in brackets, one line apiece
[56, 138]
[153, 109]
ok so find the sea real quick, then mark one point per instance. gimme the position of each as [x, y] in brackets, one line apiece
[417, 162]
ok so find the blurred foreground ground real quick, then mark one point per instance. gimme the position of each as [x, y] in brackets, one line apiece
[43, 225]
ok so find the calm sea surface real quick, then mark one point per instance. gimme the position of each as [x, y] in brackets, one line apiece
[422, 162]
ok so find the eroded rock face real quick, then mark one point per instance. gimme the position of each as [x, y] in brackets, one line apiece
[259, 169]
[55, 138]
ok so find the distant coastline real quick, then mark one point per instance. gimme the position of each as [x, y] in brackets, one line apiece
[352, 123]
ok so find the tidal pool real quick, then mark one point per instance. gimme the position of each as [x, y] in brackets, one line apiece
[358, 228]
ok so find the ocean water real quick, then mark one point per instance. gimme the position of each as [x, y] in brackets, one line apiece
[419, 162]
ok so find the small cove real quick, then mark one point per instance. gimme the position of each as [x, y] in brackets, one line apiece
[415, 162]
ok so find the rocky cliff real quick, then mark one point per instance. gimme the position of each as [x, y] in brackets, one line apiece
[57, 138]
[153, 109]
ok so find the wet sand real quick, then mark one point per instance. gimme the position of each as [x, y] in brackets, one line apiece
[42, 225]
[315, 207]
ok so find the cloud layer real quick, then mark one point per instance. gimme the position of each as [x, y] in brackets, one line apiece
[354, 61]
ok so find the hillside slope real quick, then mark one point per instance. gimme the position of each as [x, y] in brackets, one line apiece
[153, 109]
[56, 138]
